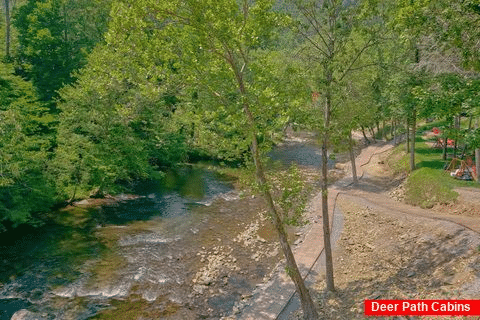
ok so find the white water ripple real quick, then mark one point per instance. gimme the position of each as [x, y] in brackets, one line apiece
[146, 238]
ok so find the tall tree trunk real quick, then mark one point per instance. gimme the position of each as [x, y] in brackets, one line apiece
[445, 147]
[293, 272]
[407, 132]
[445, 143]
[7, 29]
[392, 130]
[352, 158]
[384, 134]
[477, 164]
[372, 132]
[464, 150]
[364, 134]
[455, 143]
[326, 224]
[477, 159]
[394, 126]
[414, 129]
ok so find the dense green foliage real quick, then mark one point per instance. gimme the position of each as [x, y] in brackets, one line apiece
[102, 92]
[24, 185]
[114, 126]
[55, 37]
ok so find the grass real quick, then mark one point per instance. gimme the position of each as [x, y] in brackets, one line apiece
[429, 184]
[426, 187]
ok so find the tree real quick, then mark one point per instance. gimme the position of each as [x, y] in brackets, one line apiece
[443, 35]
[54, 39]
[221, 42]
[229, 34]
[357, 106]
[332, 54]
[26, 189]
[117, 123]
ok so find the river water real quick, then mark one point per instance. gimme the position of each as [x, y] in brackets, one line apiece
[187, 248]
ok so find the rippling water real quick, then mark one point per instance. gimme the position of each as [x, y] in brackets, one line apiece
[40, 265]
[144, 246]
[302, 153]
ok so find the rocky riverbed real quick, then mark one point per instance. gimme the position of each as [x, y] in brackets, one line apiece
[199, 259]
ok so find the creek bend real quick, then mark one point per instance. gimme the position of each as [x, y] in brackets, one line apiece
[190, 248]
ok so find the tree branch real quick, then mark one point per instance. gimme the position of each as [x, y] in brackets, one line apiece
[309, 39]
[369, 44]
[312, 20]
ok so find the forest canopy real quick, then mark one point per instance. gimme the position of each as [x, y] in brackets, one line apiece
[95, 94]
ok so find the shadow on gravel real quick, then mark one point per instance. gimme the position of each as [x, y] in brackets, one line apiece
[419, 268]
[376, 184]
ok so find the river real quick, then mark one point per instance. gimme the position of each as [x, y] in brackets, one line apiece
[187, 248]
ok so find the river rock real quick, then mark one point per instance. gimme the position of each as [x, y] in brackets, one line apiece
[297, 242]
[199, 289]
[24, 314]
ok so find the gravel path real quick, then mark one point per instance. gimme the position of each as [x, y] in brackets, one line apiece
[383, 249]
[390, 250]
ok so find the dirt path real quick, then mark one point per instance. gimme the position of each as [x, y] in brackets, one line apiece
[390, 250]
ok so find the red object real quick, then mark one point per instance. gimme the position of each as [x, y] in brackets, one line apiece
[315, 96]
[435, 131]
[422, 307]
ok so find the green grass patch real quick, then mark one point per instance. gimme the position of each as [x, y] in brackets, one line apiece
[429, 184]
[398, 160]
[426, 187]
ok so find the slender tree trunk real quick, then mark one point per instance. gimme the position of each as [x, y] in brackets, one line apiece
[73, 195]
[464, 150]
[445, 147]
[391, 129]
[477, 164]
[372, 132]
[328, 73]
[378, 128]
[364, 134]
[445, 144]
[325, 215]
[293, 272]
[7, 29]
[352, 158]
[394, 126]
[384, 134]
[414, 129]
[407, 132]
[477, 159]
[455, 143]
